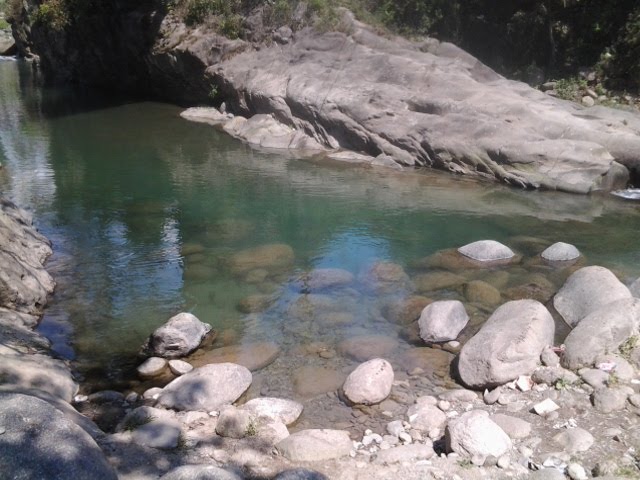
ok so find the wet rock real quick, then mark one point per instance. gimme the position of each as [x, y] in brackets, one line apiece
[200, 472]
[39, 441]
[509, 344]
[255, 303]
[280, 409]
[335, 318]
[235, 423]
[430, 282]
[274, 258]
[315, 445]
[152, 367]
[385, 277]
[574, 440]
[481, 292]
[406, 310]
[198, 272]
[430, 360]
[206, 388]
[449, 259]
[369, 383]
[442, 321]
[178, 337]
[312, 381]
[405, 454]
[603, 330]
[607, 400]
[324, 278]
[560, 252]
[425, 418]
[487, 251]
[307, 307]
[179, 367]
[515, 427]
[537, 287]
[585, 291]
[253, 356]
[475, 434]
[40, 372]
[366, 347]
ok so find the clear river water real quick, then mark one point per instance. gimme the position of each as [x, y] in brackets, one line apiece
[145, 211]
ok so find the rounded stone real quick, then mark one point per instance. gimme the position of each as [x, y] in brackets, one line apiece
[253, 356]
[369, 383]
[280, 409]
[315, 445]
[561, 252]
[481, 292]
[486, 251]
[475, 434]
[366, 347]
[152, 367]
[442, 321]
[179, 367]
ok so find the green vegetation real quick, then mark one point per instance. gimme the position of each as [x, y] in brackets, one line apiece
[53, 14]
[11, 8]
[252, 429]
[627, 347]
[628, 471]
[561, 384]
[571, 88]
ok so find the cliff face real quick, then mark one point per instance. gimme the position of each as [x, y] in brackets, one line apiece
[420, 103]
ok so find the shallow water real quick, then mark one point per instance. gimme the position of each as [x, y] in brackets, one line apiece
[146, 210]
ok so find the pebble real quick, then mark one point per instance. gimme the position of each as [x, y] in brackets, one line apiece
[444, 405]
[395, 428]
[405, 438]
[491, 397]
[504, 461]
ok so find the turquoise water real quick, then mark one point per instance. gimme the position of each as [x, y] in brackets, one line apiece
[144, 209]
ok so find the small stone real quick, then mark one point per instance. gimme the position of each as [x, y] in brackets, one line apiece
[369, 383]
[405, 438]
[491, 397]
[574, 440]
[561, 252]
[179, 367]
[549, 358]
[545, 407]
[588, 101]
[576, 472]
[444, 405]
[395, 428]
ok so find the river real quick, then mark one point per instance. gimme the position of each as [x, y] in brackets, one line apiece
[145, 208]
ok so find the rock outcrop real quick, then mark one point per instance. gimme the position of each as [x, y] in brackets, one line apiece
[396, 101]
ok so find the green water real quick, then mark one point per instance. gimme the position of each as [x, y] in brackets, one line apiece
[124, 190]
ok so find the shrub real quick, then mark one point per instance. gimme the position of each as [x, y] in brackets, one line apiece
[52, 14]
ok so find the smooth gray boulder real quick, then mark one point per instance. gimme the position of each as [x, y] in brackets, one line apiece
[442, 321]
[486, 251]
[178, 337]
[474, 434]
[200, 472]
[41, 442]
[280, 409]
[454, 122]
[369, 383]
[315, 445]
[560, 252]
[24, 283]
[508, 345]
[602, 331]
[587, 290]
[206, 388]
[152, 367]
[153, 427]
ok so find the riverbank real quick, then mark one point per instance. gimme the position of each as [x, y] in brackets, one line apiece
[585, 400]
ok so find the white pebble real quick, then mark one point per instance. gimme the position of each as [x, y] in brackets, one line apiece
[576, 472]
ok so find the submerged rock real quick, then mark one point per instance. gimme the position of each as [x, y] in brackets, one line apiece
[366, 347]
[312, 381]
[587, 290]
[253, 356]
[276, 257]
[206, 388]
[478, 291]
[385, 277]
[324, 278]
[181, 335]
[406, 310]
[430, 282]
[443, 321]
[369, 383]
[508, 345]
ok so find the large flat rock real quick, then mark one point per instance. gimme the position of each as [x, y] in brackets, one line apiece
[41, 442]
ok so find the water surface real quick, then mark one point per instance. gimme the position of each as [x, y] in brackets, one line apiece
[145, 209]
